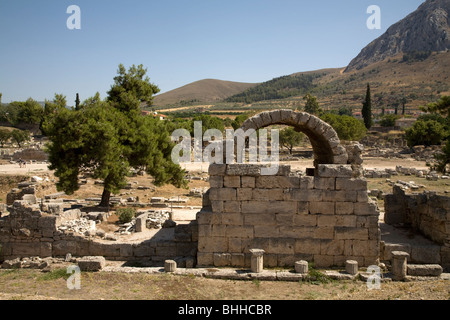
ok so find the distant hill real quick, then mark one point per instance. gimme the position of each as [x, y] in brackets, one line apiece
[409, 64]
[425, 30]
[203, 91]
[293, 85]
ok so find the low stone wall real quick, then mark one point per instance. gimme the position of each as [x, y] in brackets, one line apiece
[327, 218]
[31, 154]
[426, 213]
[29, 232]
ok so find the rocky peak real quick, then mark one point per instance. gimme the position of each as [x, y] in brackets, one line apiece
[426, 29]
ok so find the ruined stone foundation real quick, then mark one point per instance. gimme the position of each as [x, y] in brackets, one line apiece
[326, 218]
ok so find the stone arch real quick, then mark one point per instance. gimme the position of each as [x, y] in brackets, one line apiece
[324, 139]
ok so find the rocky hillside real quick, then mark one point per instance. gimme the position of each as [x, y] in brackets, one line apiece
[426, 29]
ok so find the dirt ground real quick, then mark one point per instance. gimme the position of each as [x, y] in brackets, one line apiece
[35, 285]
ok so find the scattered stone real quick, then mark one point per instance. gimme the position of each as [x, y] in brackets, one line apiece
[91, 264]
[169, 224]
[351, 267]
[170, 266]
[301, 267]
[425, 270]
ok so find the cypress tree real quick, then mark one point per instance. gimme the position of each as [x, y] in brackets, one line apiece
[77, 102]
[367, 109]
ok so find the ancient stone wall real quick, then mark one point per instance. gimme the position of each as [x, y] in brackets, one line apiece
[426, 213]
[29, 232]
[326, 218]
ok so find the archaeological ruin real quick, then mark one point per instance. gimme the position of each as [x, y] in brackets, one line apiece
[323, 216]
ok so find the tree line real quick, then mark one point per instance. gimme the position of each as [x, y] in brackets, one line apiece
[278, 88]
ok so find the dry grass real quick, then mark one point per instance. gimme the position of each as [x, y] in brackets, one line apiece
[32, 284]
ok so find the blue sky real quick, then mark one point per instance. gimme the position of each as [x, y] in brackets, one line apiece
[179, 41]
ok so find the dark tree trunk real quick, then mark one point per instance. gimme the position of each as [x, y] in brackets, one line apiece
[105, 199]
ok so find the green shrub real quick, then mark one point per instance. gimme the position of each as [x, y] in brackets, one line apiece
[348, 128]
[126, 215]
[427, 133]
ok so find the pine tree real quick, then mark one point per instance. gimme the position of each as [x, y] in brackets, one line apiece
[367, 109]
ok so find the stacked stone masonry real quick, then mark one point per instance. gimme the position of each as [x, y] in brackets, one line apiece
[28, 232]
[326, 219]
[427, 213]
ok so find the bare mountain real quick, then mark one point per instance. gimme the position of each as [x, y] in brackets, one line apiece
[426, 29]
[203, 91]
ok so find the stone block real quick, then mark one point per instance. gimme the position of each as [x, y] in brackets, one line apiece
[245, 194]
[26, 249]
[339, 196]
[248, 182]
[424, 270]
[306, 183]
[232, 219]
[281, 246]
[269, 207]
[268, 194]
[303, 207]
[217, 230]
[274, 182]
[239, 232]
[351, 267]
[324, 183]
[346, 221]
[399, 265]
[325, 208]
[323, 261]
[266, 232]
[366, 209]
[334, 171]
[170, 266]
[205, 259]
[222, 194]
[262, 219]
[91, 263]
[222, 259]
[217, 169]
[344, 208]
[204, 217]
[257, 260]
[301, 267]
[349, 233]
[232, 181]
[428, 254]
[231, 206]
[305, 220]
[216, 181]
[351, 184]
[237, 260]
[332, 247]
[326, 220]
[243, 170]
[325, 233]
[45, 249]
[235, 245]
[141, 224]
[212, 244]
[308, 196]
[217, 206]
[307, 246]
